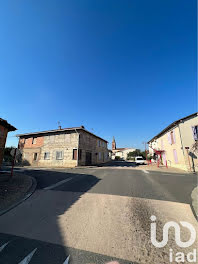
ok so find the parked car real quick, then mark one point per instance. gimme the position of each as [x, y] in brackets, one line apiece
[139, 160]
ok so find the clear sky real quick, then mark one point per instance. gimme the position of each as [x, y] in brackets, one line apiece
[120, 68]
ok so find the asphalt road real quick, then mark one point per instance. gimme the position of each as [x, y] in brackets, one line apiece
[95, 215]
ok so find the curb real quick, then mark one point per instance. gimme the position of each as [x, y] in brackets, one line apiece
[194, 202]
[28, 194]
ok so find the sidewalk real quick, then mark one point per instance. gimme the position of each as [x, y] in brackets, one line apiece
[15, 190]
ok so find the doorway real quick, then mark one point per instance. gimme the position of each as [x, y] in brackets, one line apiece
[88, 159]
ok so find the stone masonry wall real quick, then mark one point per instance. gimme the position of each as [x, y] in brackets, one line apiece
[48, 146]
[97, 147]
[65, 142]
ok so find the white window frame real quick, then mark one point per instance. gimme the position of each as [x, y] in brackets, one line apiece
[46, 157]
[59, 158]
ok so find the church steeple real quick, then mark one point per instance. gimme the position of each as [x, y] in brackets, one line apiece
[113, 144]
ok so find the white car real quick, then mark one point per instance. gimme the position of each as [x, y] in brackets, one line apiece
[139, 160]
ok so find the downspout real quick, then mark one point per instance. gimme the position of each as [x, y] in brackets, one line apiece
[77, 145]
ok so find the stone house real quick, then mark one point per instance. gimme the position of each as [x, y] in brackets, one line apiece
[5, 127]
[68, 147]
[176, 141]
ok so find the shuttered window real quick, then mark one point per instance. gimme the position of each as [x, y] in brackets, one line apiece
[171, 137]
[74, 154]
[175, 155]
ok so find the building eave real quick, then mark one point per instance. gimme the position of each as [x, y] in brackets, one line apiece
[175, 123]
[58, 131]
[5, 124]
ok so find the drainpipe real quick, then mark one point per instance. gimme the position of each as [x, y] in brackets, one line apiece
[77, 145]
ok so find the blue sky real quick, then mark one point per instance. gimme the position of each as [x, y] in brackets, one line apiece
[120, 68]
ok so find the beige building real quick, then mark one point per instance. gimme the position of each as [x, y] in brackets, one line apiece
[176, 141]
[67, 147]
[120, 152]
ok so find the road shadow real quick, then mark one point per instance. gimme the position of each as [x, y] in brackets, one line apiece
[37, 222]
[118, 163]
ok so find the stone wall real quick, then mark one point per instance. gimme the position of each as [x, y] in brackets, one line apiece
[62, 142]
[49, 147]
[97, 147]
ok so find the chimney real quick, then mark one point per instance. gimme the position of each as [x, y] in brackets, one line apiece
[59, 127]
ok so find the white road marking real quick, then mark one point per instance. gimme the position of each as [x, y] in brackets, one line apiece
[57, 184]
[67, 260]
[3, 246]
[145, 171]
[173, 174]
[27, 259]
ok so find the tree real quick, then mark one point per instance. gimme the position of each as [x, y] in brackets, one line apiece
[136, 153]
[7, 155]
[194, 148]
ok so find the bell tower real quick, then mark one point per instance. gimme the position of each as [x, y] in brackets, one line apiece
[113, 144]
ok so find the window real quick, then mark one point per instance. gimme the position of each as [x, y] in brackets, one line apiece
[35, 156]
[98, 143]
[162, 144]
[59, 155]
[33, 140]
[171, 137]
[46, 156]
[74, 154]
[175, 155]
[195, 132]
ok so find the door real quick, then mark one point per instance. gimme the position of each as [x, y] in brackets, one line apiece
[88, 159]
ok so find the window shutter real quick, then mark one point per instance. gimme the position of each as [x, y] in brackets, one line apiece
[162, 144]
[175, 155]
[169, 138]
[164, 158]
[174, 138]
[75, 154]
